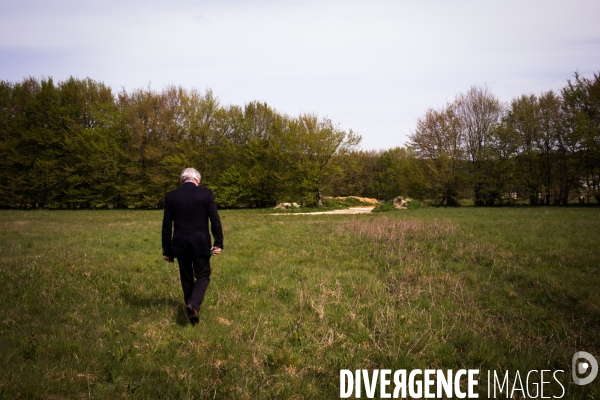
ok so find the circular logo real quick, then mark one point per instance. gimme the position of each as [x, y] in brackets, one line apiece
[584, 363]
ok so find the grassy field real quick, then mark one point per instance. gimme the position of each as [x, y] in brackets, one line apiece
[90, 310]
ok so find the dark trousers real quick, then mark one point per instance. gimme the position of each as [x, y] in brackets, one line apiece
[195, 277]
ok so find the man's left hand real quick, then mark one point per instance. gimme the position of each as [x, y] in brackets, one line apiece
[216, 251]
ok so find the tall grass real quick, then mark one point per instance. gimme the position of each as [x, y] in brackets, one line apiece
[89, 309]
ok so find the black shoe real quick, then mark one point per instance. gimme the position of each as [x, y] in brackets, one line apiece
[192, 314]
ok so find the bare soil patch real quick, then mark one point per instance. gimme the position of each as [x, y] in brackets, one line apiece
[351, 210]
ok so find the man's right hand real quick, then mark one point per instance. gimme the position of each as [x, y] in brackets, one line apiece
[167, 259]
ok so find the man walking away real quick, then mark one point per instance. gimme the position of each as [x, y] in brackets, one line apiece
[188, 209]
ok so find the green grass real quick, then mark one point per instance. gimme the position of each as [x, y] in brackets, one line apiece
[90, 310]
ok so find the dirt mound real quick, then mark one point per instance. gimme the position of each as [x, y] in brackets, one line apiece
[401, 203]
[285, 206]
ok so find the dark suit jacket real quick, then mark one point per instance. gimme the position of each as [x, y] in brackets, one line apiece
[190, 207]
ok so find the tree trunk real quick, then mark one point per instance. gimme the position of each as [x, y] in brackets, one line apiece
[319, 198]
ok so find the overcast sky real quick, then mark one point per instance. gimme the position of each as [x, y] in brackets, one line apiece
[370, 66]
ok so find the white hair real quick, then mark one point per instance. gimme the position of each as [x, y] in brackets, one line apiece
[190, 174]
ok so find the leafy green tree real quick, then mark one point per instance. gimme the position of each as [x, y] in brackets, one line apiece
[202, 144]
[37, 159]
[524, 121]
[262, 130]
[581, 136]
[152, 123]
[92, 139]
[538, 123]
[504, 178]
[354, 175]
[400, 173]
[251, 142]
[437, 140]
[308, 148]
[10, 122]
[551, 125]
[479, 113]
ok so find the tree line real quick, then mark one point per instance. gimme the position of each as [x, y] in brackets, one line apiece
[543, 148]
[77, 144]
